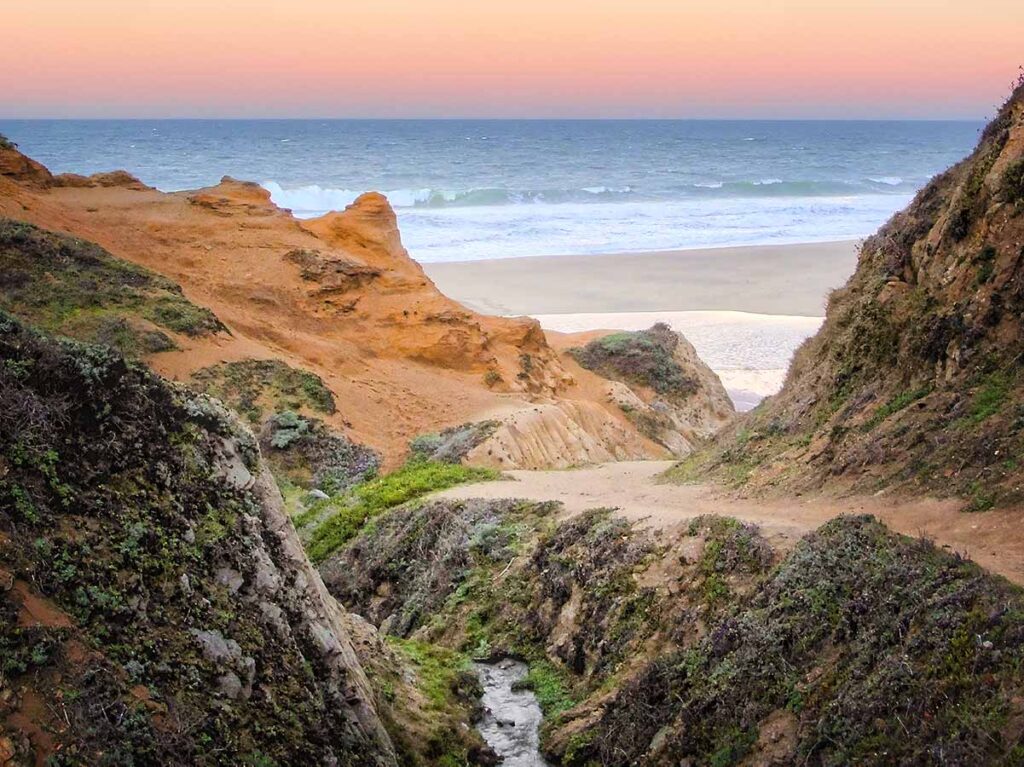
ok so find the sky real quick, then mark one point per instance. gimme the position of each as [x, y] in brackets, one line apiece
[496, 58]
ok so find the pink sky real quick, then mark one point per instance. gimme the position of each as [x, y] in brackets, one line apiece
[493, 58]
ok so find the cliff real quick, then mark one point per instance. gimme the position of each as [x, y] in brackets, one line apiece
[337, 298]
[914, 381]
[157, 605]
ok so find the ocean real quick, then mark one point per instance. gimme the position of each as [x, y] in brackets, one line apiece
[467, 190]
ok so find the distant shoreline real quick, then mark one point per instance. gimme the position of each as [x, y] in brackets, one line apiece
[792, 280]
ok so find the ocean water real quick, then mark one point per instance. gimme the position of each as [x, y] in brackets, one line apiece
[467, 190]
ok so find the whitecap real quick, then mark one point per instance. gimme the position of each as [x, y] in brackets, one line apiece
[887, 180]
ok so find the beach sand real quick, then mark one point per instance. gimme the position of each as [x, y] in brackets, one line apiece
[764, 279]
[746, 310]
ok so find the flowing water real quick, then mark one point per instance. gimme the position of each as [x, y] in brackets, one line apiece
[512, 718]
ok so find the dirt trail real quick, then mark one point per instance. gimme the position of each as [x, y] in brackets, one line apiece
[993, 539]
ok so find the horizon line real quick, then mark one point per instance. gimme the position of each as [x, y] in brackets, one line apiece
[494, 119]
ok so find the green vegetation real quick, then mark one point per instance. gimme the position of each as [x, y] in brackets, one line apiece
[895, 405]
[451, 445]
[1012, 185]
[251, 387]
[144, 562]
[854, 618]
[644, 357]
[75, 288]
[851, 618]
[437, 668]
[344, 515]
[990, 397]
[971, 201]
[985, 261]
[305, 452]
[550, 683]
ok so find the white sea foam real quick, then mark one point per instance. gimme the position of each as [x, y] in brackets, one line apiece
[469, 225]
[887, 180]
[434, 234]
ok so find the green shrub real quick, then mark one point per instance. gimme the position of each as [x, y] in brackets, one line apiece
[1013, 181]
[177, 314]
[249, 386]
[985, 261]
[308, 453]
[644, 357]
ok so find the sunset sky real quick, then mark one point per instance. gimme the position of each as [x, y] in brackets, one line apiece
[495, 58]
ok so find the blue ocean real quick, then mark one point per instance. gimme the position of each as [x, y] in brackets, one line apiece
[467, 190]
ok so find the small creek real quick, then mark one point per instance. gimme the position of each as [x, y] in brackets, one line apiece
[512, 718]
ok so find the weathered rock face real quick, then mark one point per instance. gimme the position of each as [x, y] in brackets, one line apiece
[915, 378]
[151, 583]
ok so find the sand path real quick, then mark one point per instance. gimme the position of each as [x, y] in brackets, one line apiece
[993, 539]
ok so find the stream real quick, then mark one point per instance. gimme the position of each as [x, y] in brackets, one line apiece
[512, 718]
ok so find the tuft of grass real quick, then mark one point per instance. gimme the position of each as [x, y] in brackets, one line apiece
[6, 143]
[896, 404]
[990, 397]
[437, 668]
[352, 509]
[549, 683]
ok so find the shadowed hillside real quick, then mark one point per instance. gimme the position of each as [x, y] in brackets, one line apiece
[915, 378]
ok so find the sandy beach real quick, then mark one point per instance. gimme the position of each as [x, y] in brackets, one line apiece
[742, 308]
[792, 280]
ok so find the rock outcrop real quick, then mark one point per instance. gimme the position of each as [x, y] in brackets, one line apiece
[663, 387]
[338, 298]
[914, 381]
[157, 604]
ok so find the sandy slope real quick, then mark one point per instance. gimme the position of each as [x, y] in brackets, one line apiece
[338, 296]
[994, 539]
